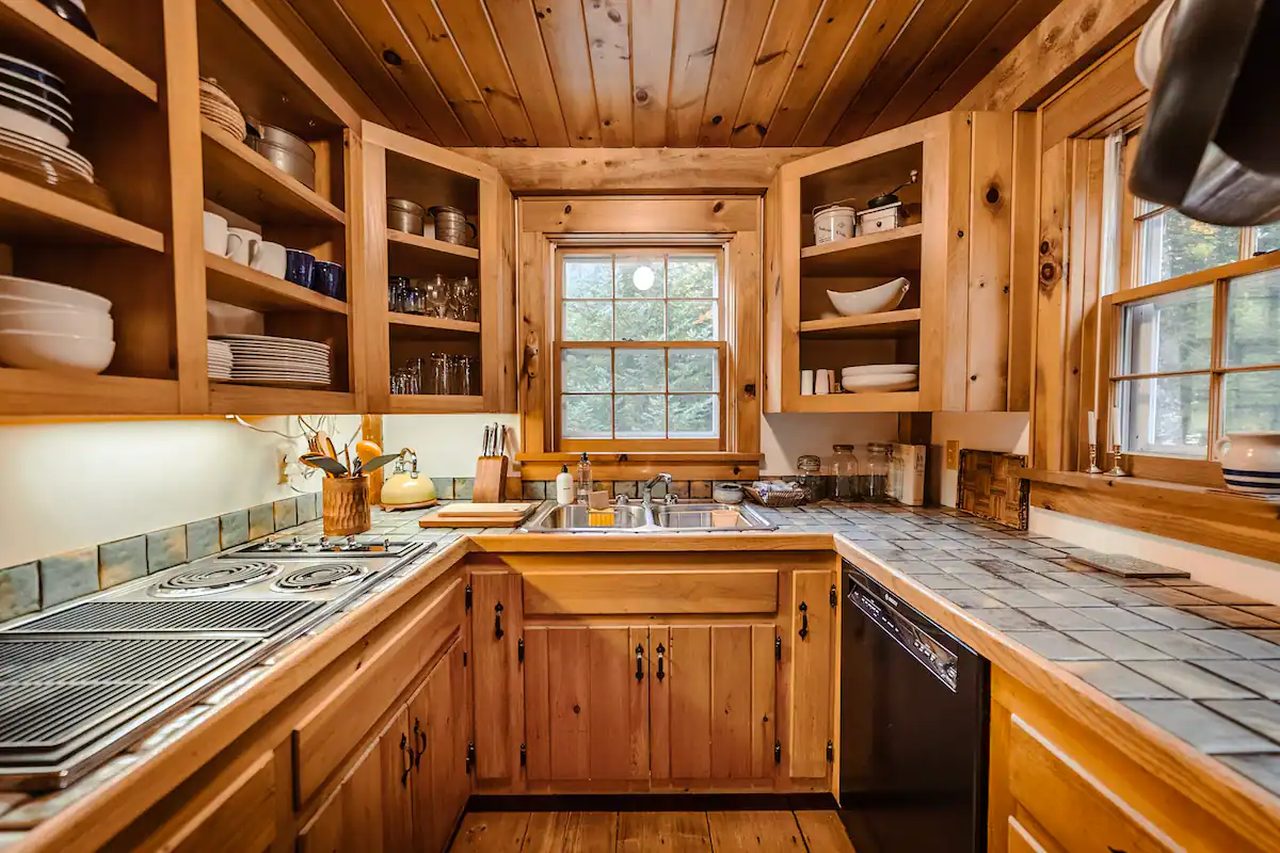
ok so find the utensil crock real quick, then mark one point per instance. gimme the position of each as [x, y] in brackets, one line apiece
[345, 502]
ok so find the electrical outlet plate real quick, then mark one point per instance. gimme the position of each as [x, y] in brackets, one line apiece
[283, 474]
[953, 455]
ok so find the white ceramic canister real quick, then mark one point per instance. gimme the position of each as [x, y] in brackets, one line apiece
[1251, 462]
[833, 223]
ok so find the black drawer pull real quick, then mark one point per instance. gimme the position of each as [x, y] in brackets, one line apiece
[661, 652]
[406, 752]
[639, 662]
[421, 738]
[804, 620]
[497, 621]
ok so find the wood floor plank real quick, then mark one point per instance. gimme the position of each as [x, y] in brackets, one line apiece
[491, 832]
[571, 832]
[677, 832]
[738, 832]
[824, 832]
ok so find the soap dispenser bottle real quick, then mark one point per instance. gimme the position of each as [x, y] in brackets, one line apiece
[564, 486]
[584, 478]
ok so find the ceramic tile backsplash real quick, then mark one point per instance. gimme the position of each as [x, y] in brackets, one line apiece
[234, 527]
[68, 576]
[122, 560]
[308, 508]
[262, 521]
[202, 538]
[19, 590]
[285, 513]
[166, 548]
[444, 487]
[535, 490]
[462, 487]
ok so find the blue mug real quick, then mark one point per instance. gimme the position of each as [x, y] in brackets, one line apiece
[329, 279]
[298, 266]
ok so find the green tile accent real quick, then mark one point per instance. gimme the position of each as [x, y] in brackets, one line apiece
[285, 513]
[444, 487]
[700, 489]
[166, 548]
[308, 510]
[680, 488]
[202, 538]
[235, 528]
[68, 576]
[122, 560]
[534, 490]
[631, 489]
[261, 521]
[462, 487]
[19, 590]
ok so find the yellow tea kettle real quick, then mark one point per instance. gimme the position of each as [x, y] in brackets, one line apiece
[404, 488]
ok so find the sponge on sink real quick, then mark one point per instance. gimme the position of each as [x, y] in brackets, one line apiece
[600, 517]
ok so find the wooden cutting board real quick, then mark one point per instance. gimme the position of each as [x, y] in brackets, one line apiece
[439, 519]
[482, 509]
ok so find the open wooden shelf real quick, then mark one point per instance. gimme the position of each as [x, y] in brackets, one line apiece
[40, 215]
[890, 401]
[237, 177]
[84, 64]
[228, 281]
[446, 329]
[886, 324]
[882, 253]
[428, 403]
[235, 397]
[82, 394]
[409, 254]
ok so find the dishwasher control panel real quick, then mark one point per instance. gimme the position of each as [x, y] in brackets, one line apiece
[901, 621]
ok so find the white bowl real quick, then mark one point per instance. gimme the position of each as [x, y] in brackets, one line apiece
[57, 353]
[882, 382]
[30, 288]
[886, 297]
[20, 122]
[40, 102]
[871, 369]
[64, 321]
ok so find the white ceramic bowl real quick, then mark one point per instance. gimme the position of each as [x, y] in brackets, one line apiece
[20, 122]
[882, 382]
[886, 297]
[57, 353]
[65, 321]
[30, 288]
[872, 369]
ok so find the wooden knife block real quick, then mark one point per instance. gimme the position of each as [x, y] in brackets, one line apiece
[491, 480]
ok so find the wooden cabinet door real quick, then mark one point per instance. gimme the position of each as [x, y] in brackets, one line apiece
[496, 626]
[370, 810]
[438, 729]
[712, 702]
[810, 642]
[587, 703]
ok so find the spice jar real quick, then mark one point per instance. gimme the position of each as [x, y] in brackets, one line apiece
[876, 482]
[844, 473]
[811, 479]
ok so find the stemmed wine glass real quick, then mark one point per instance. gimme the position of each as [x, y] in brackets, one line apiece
[437, 292]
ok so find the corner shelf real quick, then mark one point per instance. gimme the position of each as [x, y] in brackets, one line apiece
[889, 401]
[885, 324]
[237, 284]
[237, 177]
[880, 253]
[429, 403]
[448, 329]
[83, 63]
[42, 215]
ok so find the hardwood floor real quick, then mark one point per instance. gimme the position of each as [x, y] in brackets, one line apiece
[640, 832]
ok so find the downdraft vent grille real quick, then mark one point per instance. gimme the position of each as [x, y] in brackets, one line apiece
[172, 617]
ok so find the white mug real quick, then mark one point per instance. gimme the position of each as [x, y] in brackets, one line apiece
[268, 257]
[822, 382]
[806, 383]
[215, 234]
[240, 244]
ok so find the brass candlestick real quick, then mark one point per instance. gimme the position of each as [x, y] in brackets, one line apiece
[1116, 470]
[1093, 459]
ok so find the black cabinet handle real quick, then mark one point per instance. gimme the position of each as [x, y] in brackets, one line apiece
[804, 620]
[639, 662]
[661, 652]
[406, 752]
[497, 621]
[420, 738]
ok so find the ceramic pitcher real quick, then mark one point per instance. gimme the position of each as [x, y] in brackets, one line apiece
[1251, 462]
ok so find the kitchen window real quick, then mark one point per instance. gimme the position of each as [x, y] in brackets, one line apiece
[640, 349]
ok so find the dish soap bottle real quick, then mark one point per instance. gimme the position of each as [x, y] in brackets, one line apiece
[564, 486]
[584, 478]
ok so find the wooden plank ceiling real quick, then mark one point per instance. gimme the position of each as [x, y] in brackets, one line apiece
[651, 73]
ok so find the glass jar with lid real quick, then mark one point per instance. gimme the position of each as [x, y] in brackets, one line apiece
[811, 479]
[876, 481]
[844, 473]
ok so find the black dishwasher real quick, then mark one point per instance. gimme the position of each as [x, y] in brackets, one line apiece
[914, 706]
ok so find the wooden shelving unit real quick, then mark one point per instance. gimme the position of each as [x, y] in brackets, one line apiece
[411, 404]
[228, 281]
[881, 253]
[38, 214]
[442, 326]
[893, 401]
[886, 324]
[28, 392]
[273, 400]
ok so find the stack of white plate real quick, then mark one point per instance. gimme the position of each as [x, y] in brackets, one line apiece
[265, 360]
[46, 326]
[881, 377]
[220, 359]
[216, 105]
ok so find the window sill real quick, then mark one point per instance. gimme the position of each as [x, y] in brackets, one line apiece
[682, 465]
[1212, 517]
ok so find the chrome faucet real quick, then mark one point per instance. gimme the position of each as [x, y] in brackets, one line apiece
[646, 496]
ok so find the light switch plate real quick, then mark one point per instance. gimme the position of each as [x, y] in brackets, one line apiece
[953, 455]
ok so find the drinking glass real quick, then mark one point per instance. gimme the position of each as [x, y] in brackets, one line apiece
[466, 375]
[436, 290]
[438, 381]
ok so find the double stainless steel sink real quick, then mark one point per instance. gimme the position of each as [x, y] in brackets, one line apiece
[635, 517]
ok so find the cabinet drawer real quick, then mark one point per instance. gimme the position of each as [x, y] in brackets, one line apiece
[643, 592]
[354, 703]
[1075, 808]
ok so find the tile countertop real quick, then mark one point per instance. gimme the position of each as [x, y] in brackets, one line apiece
[1199, 662]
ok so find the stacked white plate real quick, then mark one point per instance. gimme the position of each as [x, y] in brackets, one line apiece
[869, 378]
[217, 106]
[46, 326]
[34, 102]
[220, 359]
[266, 360]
